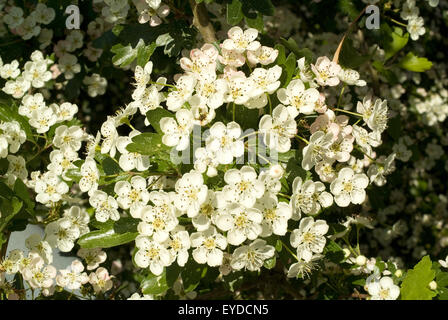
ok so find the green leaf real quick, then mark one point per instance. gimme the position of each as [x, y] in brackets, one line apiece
[192, 275]
[256, 22]
[290, 67]
[270, 263]
[144, 53]
[126, 224]
[333, 252]
[155, 115]
[413, 63]
[281, 58]
[350, 57]
[265, 7]
[123, 55]
[415, 284]
[153, 284]
[22, 192]
[394, 40]
[347, 7]
[105, 238]
[9, 208]
[110, 167]
[234, 12]
[442, 279]
[149, 143]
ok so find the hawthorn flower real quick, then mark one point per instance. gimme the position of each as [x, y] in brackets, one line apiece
[10, 70]
[62, 234]
[308, 197]
[50, 188]
[69, 66]
[96, 85]
[207, 212]
[349, 187]
[177, 132]
[68, 137]
[151, 253]
[205, 162]
[241, 223]
[110, 134]
[279, 128]
[309, 238]
[17, 88]
[241, 41]
[383, 289]
[275, 215]
[73, 277]
[36, 72]
[61, 161]
[374, 115]
[190, 193]
[208, 246]
[44, 14]
[416, 27]
[93, 257]
[100, 280]
[11, 264]
[380, 168]
[132, 194]
[157, 221]
[184, 89]
[31, 103]
[89, 176]
[326, 72]
[131, 160]
[36, 244]
[211, 90]
[303, 268]
[351, 77]
[202, 62]
[14, 17]
[317, 149]
[232, 58]
[65, 111]
[265, 80]
[42, 119]
[240, 89]
[297, 96]
[263, 55]
[105, 205]
[79, 218]
[242, 187]
[252, 257]
[14, 135]
[16, 169]
[366, 140]
[179, 244]
[39, 276]
[223, 141]
[151, 11]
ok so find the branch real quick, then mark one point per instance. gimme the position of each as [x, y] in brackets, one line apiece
[202, 22]
[338, 50]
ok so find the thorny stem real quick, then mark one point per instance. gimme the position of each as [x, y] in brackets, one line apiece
[338, 50]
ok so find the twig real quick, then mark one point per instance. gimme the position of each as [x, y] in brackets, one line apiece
[338, 50]
[202, 22]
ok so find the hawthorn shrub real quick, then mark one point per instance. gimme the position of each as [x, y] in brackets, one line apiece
[223, 149]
